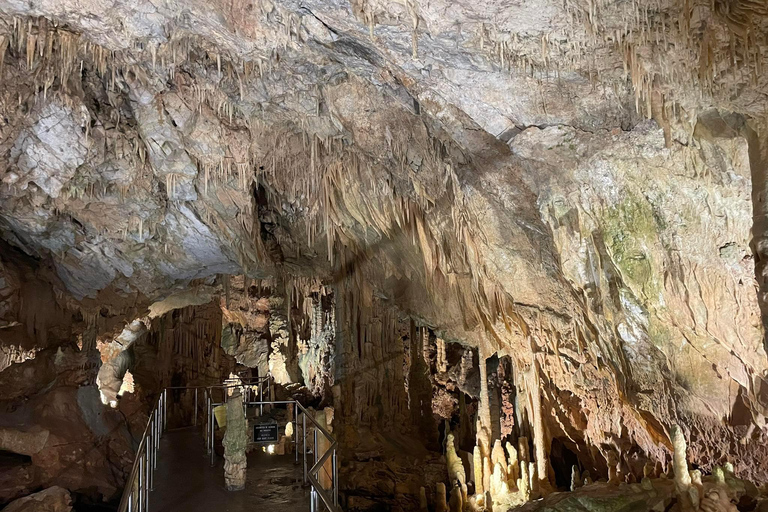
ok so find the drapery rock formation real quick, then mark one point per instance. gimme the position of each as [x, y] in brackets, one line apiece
[540, 222]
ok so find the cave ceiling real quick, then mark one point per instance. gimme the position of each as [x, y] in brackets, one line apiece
[569, 183]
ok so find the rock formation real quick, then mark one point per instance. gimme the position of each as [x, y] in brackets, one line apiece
[53, 499]
[235, 443]
[518, 245]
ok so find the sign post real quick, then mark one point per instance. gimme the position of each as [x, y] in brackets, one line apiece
[266, 433]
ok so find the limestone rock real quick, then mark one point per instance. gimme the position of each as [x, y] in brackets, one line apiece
[235, 443]
[53, 499]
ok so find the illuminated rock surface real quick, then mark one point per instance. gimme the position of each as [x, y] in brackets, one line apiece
[530, 220]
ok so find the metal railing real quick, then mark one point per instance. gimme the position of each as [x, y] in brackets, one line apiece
[319, 494]
[135, 496]
[313, 474]
[247, 388]
[141, 479]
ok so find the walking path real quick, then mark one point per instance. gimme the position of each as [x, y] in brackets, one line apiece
[186, 482]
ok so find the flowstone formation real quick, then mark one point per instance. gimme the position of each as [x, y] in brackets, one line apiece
[511, 244]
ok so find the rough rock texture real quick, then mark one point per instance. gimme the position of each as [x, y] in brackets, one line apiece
[235, 443]
[53, 499]
[116, 359]
[246, 311]
[577, 188]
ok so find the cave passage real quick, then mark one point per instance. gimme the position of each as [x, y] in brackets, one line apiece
[369, 256]
[185, 480]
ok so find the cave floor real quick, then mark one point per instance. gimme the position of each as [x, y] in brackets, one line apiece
[185, 480]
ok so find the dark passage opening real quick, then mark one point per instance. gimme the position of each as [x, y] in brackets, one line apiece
[12, 459]
[562, 460]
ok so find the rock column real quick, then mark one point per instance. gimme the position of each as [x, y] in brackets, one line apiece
[235, 442]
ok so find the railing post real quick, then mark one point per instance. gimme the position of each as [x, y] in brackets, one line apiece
[261, 398]
[313, 500]
[314, 449]
[213, 436]
[304, 437]
[195, 406]
[164, 424]
[150, 477]
[296, 430]
[335, 478]
[158, 426]
[208, 423]
[153, 447]
[141, 483]
[147, 482]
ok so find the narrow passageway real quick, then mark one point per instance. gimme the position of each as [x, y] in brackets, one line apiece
[185, 480]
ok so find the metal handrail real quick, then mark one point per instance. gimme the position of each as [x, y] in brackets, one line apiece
[331, 503]
[141, 477]
[311, 474]
[142, 472]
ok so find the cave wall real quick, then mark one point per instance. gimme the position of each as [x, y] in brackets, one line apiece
[572, 187]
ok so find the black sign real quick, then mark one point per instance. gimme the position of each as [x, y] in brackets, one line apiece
[265, 433]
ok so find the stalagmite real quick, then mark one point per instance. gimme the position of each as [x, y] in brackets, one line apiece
[534, 481]
[679, 459]
[648, 470]
[456, 471]
[235, 442]
[487, 473]
[499, 486]
[612, 459]
[497, 455]
[477, 464]
[523, 483]
[718, 474]
[539, 443]
[456, 503]
[441, 505]
[695, 491]
[423, 499]
[484, 412]
[512, 463]
[575, 478]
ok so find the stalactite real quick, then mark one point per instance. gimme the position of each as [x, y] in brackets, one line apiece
[442, 362]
